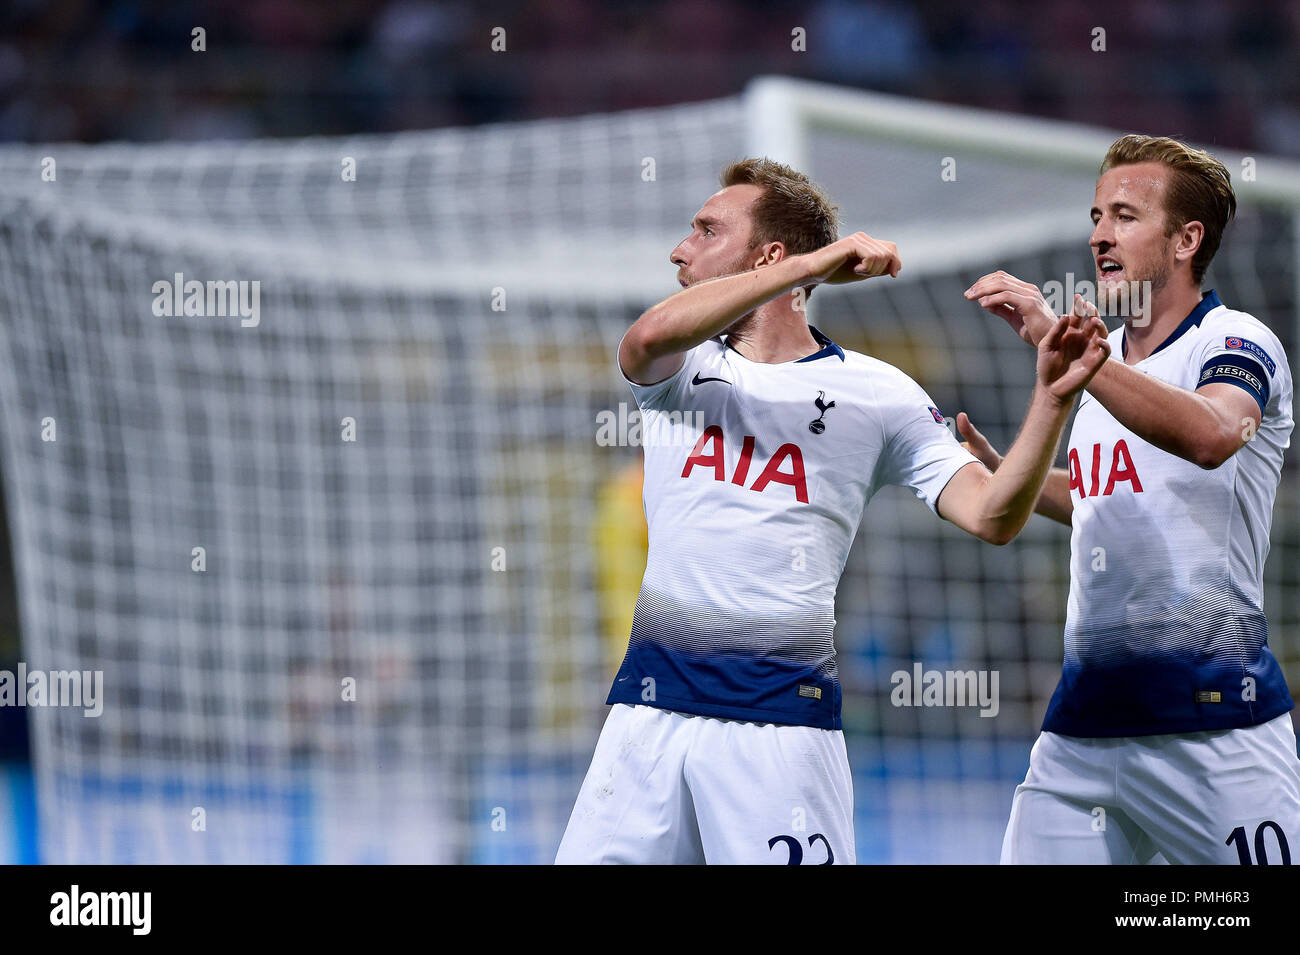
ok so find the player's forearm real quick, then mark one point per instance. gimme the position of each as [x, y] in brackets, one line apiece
[1011, 493]
[1173, 419]
[1055, 501]
[698, 313]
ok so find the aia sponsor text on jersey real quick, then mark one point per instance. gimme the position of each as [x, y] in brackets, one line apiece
[1120, 470]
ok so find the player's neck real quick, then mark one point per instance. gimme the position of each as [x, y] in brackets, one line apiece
[1169, 309]
[772, 336]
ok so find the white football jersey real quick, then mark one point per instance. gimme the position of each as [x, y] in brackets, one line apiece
[1165, 628]
[756, 477]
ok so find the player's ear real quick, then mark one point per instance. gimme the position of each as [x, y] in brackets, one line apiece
[769, 253]
[1189, 239]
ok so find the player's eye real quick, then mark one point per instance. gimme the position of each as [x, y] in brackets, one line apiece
[1123, 217]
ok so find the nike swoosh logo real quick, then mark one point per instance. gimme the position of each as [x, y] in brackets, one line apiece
[697, 380]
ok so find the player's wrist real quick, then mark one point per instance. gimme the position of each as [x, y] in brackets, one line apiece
[1050, 400]
[811, 268]
[1038, 325]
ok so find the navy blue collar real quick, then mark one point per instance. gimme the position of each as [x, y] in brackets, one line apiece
[1209, 302]
[828, 347]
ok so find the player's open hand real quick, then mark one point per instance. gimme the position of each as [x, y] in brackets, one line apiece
[1073, 351]
[1018, 303]
[854, 258]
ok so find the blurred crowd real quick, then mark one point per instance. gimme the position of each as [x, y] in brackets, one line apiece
[1217, 71]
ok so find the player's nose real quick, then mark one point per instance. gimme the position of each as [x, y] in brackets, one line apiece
[1102, 238]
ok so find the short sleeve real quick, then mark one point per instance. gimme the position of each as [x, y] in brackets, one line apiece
[660, 395]
[920, 452]
[1238, 354]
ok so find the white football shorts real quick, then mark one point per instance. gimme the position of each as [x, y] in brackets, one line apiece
[1224, 797]
[671, 788]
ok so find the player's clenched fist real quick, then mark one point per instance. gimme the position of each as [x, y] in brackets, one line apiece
[1020, 304]
[854, 258]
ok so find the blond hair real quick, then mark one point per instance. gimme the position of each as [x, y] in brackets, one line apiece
[1200, 189]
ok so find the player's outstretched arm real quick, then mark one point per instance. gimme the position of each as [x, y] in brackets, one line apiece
[1206, 426]
[654, 346]
[1054, 501]
[994, 506]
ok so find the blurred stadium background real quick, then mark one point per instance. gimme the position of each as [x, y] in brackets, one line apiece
[471, 559]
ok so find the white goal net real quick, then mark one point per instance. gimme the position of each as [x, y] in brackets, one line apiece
[302, 450]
